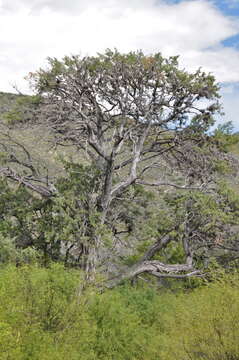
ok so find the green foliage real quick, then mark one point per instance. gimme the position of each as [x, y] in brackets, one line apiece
[42, 316]
[209, 216]
[139, 69]
[207, 324]
[37, 307]
[68, 219]
[226, 128]
[22, 110]
[10, 253]
[225, 138]
[222, 167]
[210, 210]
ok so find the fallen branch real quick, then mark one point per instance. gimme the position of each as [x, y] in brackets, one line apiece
[155, 268]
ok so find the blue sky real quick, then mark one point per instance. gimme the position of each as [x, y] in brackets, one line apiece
[230, 8]
[230, 98]
[205, 33]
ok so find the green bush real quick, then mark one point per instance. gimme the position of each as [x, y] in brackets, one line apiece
[42, 317]
[205, 324]
[38, 307]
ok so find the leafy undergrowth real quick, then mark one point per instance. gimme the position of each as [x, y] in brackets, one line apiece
[42, 317]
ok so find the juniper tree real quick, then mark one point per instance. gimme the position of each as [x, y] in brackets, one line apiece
[138, 120]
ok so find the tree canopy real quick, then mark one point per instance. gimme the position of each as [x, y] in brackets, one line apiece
[136, 122]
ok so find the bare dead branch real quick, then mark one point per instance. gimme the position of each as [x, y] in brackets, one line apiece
[41, 190]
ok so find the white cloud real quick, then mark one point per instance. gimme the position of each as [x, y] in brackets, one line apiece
[73, 7]
[222, 62]
[31, 30]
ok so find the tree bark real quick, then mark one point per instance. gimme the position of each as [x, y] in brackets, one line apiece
[157, 269]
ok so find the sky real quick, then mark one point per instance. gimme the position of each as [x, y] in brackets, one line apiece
[205, 33]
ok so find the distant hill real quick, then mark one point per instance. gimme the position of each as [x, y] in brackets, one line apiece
[15, 113]
[7, 101]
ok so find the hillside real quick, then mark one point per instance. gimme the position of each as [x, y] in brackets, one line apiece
[7, 101]
[15, 111]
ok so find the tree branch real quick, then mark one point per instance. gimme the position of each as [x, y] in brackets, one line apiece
[159, 183]
[152, 268]
[42, 190]
[157, 246]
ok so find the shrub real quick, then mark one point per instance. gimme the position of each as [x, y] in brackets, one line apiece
[42, 317]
